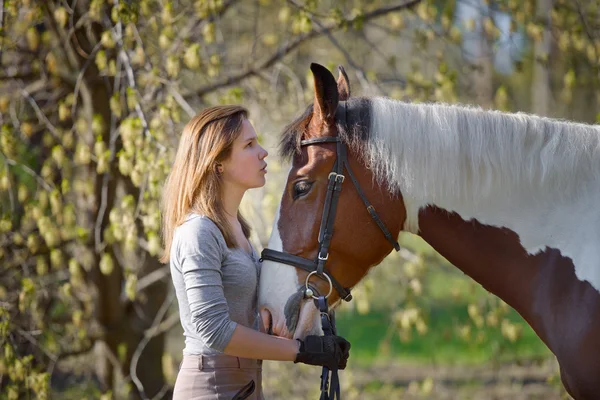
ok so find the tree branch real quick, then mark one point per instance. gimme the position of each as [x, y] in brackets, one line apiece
[362, 77]
[287, 48]
[31, 172]
[78, 352]
[66, 49]
[16, 73]
[194, 23]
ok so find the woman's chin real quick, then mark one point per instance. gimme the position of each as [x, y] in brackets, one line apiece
[260, 183]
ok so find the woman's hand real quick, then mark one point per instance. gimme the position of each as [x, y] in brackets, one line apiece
[328, 351]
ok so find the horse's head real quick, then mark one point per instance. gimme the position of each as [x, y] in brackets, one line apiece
[357, 242]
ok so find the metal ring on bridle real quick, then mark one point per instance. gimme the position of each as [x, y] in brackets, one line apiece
[328, 280]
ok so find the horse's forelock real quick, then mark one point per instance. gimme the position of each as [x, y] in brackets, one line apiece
[293, 133]
[354, 131]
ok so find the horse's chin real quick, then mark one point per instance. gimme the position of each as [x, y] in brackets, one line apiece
[308, 321]
[278, 328]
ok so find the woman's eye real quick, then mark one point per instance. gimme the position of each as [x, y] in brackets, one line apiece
[249, 144]
[301, 188]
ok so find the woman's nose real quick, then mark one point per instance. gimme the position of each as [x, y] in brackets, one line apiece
[264, 153]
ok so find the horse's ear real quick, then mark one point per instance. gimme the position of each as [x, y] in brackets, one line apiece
[326, 94]
[343, 84]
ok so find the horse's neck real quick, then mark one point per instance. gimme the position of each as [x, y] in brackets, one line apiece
[491, 256]
[535, 224]
[543, 287]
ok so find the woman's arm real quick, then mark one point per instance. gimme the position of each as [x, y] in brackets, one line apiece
[248, 343]
[201, 268]
[329, 351]
[202, 278]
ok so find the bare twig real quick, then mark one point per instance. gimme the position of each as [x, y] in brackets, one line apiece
[255, 29]
[114, 134]
[131, 81]
[33, 341]
[71, 55]
[152, 278]
[138, 206]
[81, 74]
[80, 351]
[586, 29]
[31, 172]
[298, 86]
[167, 324]
[11, 194]
[181, 101]
[66, 49]
[41, 116]
[148, 335]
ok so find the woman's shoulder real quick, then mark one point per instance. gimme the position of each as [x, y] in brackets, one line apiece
[195, 220]
[198, 232]
[199, 224]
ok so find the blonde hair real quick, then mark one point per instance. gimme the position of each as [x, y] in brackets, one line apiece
[194, 184]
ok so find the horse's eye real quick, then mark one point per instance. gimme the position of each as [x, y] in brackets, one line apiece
[301, 188]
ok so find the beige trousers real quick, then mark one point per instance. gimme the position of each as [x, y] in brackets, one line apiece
[218, 377]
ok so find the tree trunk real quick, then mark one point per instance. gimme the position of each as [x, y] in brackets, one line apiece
[124, 323]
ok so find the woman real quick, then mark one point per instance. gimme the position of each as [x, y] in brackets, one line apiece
[214, 268]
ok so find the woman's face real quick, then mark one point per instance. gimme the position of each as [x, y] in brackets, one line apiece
[246, 167]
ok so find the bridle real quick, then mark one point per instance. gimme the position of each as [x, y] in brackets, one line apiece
[334, 188]
[317, 267]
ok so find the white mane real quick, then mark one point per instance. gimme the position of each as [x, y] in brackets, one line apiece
[539, 177]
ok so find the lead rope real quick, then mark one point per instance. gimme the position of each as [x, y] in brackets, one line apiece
[328, 330]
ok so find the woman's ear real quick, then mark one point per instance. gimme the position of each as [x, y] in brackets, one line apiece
[219, 168]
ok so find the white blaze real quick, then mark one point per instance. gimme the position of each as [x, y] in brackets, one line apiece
[277, 283]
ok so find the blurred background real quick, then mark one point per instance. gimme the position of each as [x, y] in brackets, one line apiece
[93, 97]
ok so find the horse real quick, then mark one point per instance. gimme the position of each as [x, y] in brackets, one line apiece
[508, 198]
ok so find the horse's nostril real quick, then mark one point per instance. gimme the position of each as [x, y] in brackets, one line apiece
[267, 320]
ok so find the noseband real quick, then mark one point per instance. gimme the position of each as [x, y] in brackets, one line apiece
[334, 188]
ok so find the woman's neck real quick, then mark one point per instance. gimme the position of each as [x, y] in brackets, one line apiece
[232, 197]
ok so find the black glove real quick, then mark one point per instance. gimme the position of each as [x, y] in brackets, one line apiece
[328, 351]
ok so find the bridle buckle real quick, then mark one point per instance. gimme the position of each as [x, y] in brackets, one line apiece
[339, 178]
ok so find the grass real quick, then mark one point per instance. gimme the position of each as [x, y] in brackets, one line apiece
[440, 345]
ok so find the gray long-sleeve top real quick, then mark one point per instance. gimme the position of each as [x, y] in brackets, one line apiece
[216, 286]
